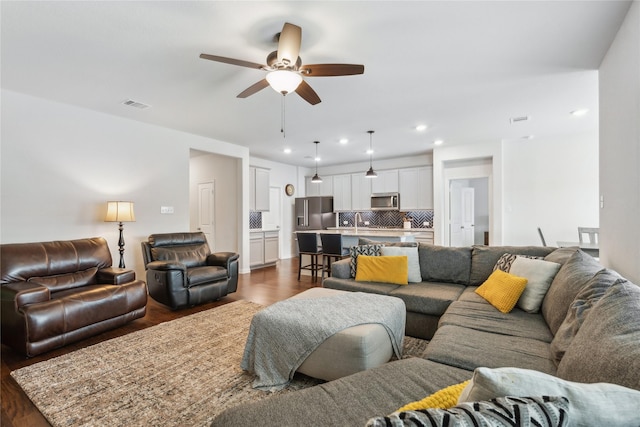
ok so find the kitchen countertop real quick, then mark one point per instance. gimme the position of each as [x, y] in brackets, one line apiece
[391, 232]
[382, 229]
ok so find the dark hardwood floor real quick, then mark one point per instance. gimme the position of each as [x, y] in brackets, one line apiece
[264, 286]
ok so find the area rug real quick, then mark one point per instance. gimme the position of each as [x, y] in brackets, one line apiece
[179, 373]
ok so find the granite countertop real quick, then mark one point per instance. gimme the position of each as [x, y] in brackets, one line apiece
[380, 229]
[346, 231]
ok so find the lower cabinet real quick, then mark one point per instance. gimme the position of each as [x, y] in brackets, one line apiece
[264, 248]
[424, 237]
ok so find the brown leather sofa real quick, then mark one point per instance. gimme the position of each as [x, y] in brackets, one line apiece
[182, 271]
[55, 293]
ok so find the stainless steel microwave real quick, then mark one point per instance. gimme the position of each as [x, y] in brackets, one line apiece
[385, 201]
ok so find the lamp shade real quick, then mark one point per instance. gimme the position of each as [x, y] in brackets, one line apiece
[120, 212]
[283, 81]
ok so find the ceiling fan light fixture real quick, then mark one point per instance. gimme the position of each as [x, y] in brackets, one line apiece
[284, 81]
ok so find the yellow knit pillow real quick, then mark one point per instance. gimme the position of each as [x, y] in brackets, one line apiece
[502, 290]
[441, 399]
[385, 269]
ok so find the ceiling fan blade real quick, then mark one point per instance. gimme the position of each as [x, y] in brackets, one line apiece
[307, 93]
[289, 44]
[326, 70]
[232, 61]
[256, 87]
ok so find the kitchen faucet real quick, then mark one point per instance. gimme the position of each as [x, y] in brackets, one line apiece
[355, 220]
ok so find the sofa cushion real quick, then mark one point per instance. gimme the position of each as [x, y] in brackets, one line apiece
[589, 404]
[354, 251]
[607, 345]
[411, 253]
[468, 348]
[385, 269]
[428, 297]
[61, 282]
[561, 255]
[588, 296]
[502, 290]
[205, 274]
[353, 286]
[539, 275]
[484, 317]
[572, 276]
[444, 264]
[539, 411]
[348, 401]
[484, 258]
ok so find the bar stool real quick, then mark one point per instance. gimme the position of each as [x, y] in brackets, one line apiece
[332, 250]
[308, 245]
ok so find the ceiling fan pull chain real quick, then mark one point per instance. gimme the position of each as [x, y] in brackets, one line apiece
[282, 116]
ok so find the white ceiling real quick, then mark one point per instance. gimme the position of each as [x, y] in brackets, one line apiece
[463, 68]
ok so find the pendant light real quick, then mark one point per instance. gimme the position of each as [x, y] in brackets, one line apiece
[370, 173]
[316, 178]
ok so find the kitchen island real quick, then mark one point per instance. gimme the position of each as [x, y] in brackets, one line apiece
[351, 235]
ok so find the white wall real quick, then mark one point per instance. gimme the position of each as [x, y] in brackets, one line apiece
[60, 165]
[551, 183]
[620, 150]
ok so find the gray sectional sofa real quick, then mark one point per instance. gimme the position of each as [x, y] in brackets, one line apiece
[587, 330]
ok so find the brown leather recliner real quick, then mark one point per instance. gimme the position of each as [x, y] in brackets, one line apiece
[55, 293]
[182, 271]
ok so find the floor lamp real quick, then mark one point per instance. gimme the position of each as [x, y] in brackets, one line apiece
[120, 212]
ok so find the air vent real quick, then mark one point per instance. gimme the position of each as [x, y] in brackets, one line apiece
[519, 119]
[136, 104]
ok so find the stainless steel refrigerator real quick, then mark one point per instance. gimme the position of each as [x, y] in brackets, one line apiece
[314, 213]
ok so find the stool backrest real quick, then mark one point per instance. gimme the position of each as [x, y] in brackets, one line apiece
[331, 244]
[307, 242]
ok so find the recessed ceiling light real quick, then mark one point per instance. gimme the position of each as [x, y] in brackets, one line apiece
[438, 142]
[287, 150]
[421, 128]
[580, 112]
[317, 159]
[369, 151]
[343, 140]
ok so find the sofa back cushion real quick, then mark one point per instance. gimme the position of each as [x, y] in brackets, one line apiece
[484, 258]
[444, 264]
[607, 345]
[191, 249]
[571, 278]
[61, 282]
[23, 261]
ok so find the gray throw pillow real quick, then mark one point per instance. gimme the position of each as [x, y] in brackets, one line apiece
[579, 309]
[607, 345]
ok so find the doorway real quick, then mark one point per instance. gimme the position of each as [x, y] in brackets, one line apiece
[272, 220]
[468, 201]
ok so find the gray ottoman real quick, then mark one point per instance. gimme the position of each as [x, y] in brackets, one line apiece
[350, 350]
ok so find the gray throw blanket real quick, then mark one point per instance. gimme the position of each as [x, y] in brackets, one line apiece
[284, 334]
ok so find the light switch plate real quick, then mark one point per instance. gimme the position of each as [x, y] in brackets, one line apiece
[166, 209]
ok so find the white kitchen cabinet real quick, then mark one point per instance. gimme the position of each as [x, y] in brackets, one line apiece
[386, 182]
[259, 189]
[360, 192]
[264, 248]
[324, 188]
[424, 237]
[416, 188]
[342, 192]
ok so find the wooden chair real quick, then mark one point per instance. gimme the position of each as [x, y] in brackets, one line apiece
[332, 250]
[591, 232]
[308, 245]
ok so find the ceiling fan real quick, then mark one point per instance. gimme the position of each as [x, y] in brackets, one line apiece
[285, 70]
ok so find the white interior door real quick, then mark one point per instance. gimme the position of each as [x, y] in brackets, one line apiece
[462, 214]
[272, 220]
[206, 217]
[468, 215]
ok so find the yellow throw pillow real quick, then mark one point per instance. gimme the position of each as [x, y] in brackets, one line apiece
[384, 269]
[502, 290]
[441, 399]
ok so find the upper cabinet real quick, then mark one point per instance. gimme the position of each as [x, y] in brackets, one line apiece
[259, 189]
[360, 192]
[416, 188]
[342, 192]
[324, 188]
[386, 182]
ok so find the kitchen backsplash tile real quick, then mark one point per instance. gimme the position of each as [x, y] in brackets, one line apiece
[393, 219]
[255, 219]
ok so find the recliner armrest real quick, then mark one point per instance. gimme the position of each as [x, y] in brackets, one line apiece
[23, 293]
[222, 259]
[115, 276]
[166, 265]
